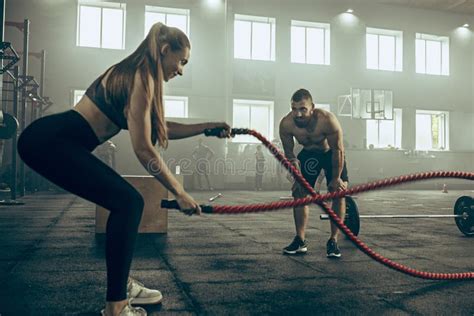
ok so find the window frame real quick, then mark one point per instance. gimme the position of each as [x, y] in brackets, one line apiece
[75, 93]
[258, 19]
[177, 98]
[397, 143]
[257, 103]
[166, 11]
[101, 5]
[398, 49]
[446, 127]
[444, 53]
[323, 106]
[326, 27]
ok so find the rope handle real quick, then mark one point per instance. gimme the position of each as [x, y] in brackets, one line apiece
[216, 131]
[173, 205]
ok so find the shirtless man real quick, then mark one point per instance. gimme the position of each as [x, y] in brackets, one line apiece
[321, 136]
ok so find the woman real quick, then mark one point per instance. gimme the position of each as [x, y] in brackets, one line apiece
[129, 95]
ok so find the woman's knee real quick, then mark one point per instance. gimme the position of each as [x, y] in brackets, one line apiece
[132, 203]
[137, 202]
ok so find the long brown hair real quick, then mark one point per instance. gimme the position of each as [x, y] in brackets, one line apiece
[147, 60]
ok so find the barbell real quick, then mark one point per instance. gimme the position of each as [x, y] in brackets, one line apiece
[463, 215]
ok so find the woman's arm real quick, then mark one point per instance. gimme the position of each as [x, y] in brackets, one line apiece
[178, 130]
[139, 126]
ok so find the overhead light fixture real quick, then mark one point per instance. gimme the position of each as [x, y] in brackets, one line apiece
[350, 11]
[466, 25]
[214, 3]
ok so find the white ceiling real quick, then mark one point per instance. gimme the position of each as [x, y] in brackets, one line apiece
[455, 6]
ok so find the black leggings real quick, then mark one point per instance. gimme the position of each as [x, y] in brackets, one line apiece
[59, 148]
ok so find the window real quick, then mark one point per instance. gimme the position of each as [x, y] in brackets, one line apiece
[310, 43]
[432, 54]
[176, 106]
[384, 49]
[432, 130]
[77, 96]
[170, 16]
[322, 106]
[254, 37]
[101, 24]
[385, 133]
[257, 115]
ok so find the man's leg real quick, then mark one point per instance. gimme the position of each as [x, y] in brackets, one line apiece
[339, 206]
[198, 177]
[301, 216]
[310, 169]
[259, 181]
[332, 249]
[209, 186]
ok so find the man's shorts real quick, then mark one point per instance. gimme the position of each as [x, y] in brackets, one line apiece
[311, 163]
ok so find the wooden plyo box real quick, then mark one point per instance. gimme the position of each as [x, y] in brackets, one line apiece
[154, 218]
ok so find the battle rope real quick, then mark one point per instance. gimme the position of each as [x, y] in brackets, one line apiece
[319, 200]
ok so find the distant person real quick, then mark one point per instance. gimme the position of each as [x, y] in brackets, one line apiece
[279, 169]
[202, 156]
[259, 168]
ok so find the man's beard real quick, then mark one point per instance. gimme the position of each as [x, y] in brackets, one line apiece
[301, 123]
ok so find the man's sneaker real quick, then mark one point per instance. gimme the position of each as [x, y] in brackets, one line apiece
[332, 249]
[128, 310]
[140, 295]
[297, 246]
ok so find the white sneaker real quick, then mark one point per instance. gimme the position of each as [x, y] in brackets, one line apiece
[128, 310]
[140, 295]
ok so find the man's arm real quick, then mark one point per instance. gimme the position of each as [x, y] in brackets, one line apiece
[334, 137]
[288, 143]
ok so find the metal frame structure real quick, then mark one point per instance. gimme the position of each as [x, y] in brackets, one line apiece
[26, 92]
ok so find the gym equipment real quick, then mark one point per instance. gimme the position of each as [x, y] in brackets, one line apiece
[8, 125]
[463, 215]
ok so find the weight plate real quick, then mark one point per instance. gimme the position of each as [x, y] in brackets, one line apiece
[8, 126]
[352, 219]
[464, 207]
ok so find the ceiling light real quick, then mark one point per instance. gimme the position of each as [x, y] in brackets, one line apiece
[350, 11]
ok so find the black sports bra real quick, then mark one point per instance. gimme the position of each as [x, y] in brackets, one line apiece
[114, 111]
[96, 92]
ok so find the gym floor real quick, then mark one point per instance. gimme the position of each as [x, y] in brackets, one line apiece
[52, 263]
